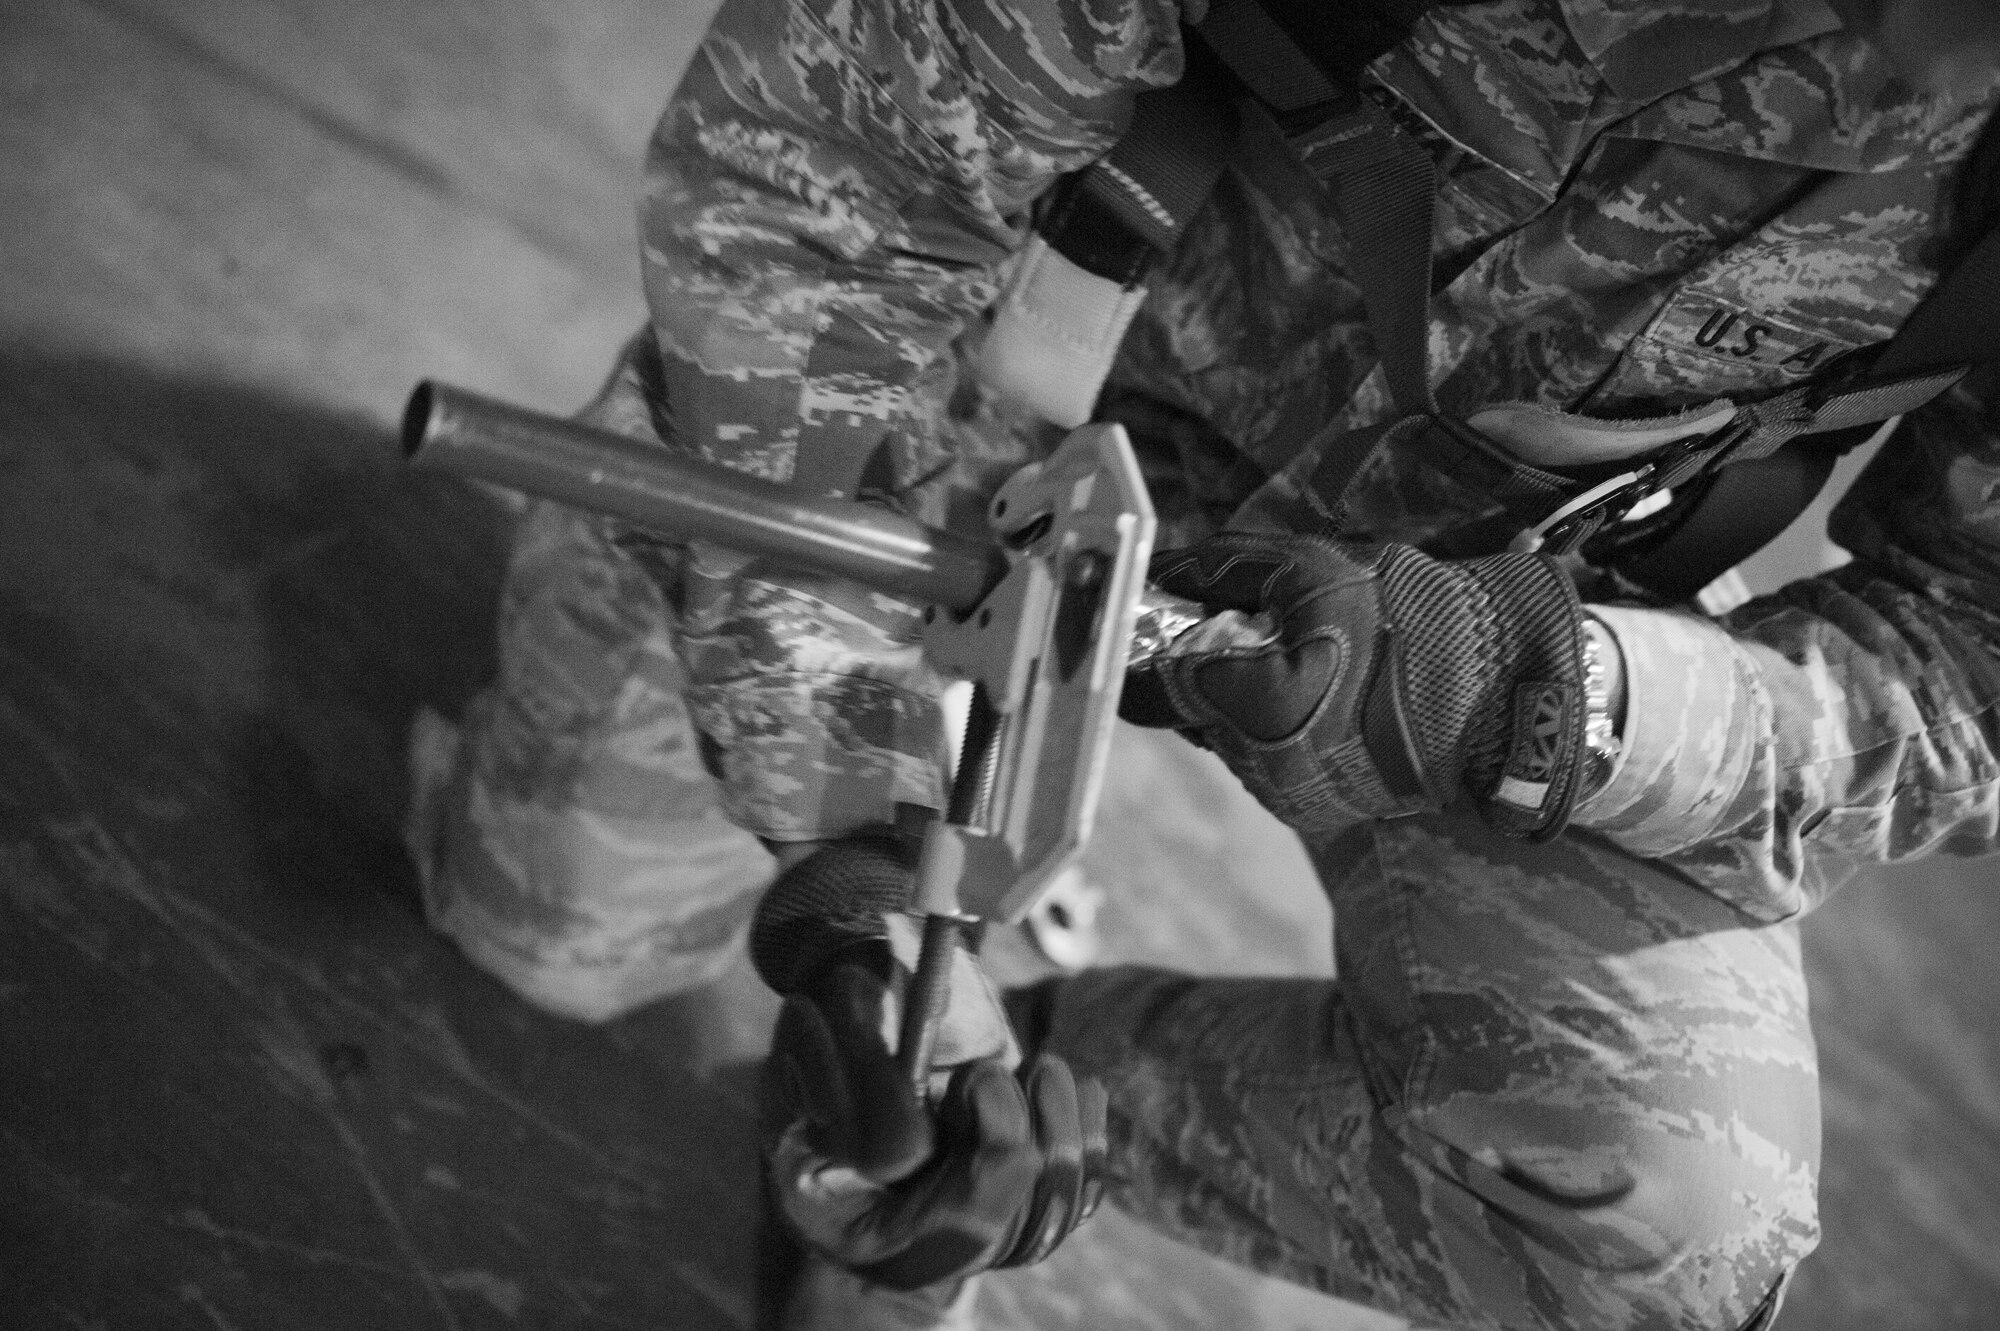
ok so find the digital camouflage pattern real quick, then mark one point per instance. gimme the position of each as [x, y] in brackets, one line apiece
[568, 836]
[1646, 207]
[1555, 1086]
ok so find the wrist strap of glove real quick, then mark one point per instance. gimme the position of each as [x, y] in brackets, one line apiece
[1488, 670]
[1526, 759]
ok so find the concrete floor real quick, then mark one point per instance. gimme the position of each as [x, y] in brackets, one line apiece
[244, 1087]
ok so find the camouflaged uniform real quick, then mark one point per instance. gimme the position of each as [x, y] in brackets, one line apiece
[1558, 1086]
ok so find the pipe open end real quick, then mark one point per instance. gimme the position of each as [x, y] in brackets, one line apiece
[417, 418]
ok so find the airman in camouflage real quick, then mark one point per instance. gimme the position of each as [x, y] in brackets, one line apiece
[1556, 1086]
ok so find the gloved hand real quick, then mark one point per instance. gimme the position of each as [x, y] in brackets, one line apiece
[1395, 680]
[1004, 1167]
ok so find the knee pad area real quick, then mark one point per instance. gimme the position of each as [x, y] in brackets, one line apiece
[1645, 1227]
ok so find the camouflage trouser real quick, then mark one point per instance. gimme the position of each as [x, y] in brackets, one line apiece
[566, 833]
[1553, 1087]
[570, 840]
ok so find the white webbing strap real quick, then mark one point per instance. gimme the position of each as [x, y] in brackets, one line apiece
[1054, 334]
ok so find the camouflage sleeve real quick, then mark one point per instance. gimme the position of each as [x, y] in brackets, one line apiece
[831, 196]
[1850, 717]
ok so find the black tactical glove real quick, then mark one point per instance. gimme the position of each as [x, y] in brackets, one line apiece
[1395, 680]
[904, 1195]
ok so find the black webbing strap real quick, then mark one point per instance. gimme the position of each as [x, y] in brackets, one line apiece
[1115, 217]
[1958, 323]
[1280, 71]
[1524, 494]
[1295, 54]
[1783, 449]
[1952, 334]
[1384, 190]
[1381, 185]
[1720, 522]
[1303, 61]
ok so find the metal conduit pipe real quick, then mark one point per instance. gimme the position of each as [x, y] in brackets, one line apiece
[681, 499]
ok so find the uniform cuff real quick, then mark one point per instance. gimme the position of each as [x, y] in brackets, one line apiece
[1692, 714]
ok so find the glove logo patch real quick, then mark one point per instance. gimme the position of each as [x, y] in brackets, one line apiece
[1540, 710]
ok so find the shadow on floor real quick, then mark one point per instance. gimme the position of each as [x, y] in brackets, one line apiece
[245, 1085]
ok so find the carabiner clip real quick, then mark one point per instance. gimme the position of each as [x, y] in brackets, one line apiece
[1531, 540]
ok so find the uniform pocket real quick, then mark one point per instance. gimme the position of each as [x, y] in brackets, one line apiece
[1703, 344]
